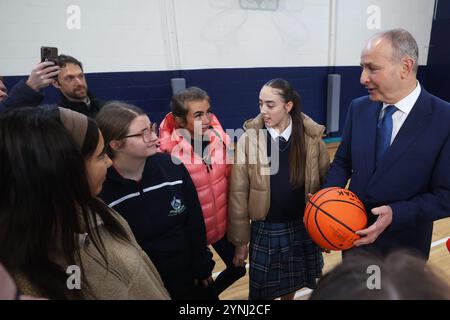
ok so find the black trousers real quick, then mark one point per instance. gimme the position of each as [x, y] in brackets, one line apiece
[225, 249]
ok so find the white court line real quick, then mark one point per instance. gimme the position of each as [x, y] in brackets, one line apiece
[436, 243]
[307, 291]
[302, 293]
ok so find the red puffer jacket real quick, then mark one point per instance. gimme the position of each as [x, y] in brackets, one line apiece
[211, 181]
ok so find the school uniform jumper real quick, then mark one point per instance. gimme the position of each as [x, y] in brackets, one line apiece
[165, 215]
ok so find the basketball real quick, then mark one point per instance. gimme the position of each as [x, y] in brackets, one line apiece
[332, 216]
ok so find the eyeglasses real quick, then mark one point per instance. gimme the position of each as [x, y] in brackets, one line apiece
[146, 134]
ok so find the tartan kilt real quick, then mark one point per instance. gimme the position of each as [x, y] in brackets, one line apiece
[283, 259]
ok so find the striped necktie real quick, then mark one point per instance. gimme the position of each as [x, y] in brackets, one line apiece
[384, 132]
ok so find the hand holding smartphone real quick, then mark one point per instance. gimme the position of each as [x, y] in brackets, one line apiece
[46, 71]
[49, 54]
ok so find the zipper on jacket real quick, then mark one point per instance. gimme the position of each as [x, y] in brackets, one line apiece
[208, 170]
[208, 166]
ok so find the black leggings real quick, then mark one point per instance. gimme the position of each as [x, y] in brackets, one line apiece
[225, 249]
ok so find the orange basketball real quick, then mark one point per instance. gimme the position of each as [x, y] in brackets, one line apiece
[332, 216]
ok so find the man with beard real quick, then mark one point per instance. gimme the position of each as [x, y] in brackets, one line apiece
[72, 84]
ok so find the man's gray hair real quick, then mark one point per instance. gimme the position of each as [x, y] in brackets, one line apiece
[403, 45]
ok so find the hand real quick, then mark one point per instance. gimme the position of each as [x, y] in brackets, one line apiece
[8, 288]
[3, 91]
[42, 75]
[3, 94]
[240, 254]
[370, 234]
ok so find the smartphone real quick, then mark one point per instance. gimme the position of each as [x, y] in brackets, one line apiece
[49, 54]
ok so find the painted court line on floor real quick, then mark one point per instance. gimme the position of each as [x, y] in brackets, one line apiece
[307, 291]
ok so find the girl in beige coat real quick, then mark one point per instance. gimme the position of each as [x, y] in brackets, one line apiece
[280, 159]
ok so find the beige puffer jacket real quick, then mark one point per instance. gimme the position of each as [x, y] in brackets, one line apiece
[249, 197]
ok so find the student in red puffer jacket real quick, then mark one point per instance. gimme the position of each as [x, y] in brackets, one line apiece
[191, 133]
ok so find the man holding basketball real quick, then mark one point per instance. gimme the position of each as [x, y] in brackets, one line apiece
[395, 149]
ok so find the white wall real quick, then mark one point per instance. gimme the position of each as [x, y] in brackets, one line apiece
[220, 34]
[416, 16]
[114, 35]
[143, 35]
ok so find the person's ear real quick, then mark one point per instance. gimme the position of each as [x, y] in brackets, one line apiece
[55, 83]
[407, 67]
[288, 106]
[116, 145]
[181, 123]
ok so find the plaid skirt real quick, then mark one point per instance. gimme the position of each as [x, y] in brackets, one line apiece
[283, 259]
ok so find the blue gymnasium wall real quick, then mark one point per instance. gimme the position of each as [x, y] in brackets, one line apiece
[234, 92]
[437, 78]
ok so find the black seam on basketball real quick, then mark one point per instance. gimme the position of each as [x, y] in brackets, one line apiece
[312, 204]
[309, 200]
[307, 217]
[309, 214]
[331, 189]
[314, 213]
[335, 200]
[323, 236]
[352, 203]
[337, 220]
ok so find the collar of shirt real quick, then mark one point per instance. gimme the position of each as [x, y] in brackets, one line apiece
[286, 134]
[407, 103]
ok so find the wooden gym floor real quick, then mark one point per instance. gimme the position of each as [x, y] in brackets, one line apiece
[439, 259]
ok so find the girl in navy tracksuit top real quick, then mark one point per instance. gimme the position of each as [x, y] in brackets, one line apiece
[158, 200]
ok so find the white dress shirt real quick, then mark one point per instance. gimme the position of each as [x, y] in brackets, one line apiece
[404, 107]
[286, 134]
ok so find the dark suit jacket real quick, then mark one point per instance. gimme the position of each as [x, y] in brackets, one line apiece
[413, 178]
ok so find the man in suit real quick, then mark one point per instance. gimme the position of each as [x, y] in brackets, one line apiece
[395, 148]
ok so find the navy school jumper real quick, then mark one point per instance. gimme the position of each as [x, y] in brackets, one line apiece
[165, 215]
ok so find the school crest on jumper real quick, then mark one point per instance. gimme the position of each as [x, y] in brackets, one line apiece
[177, 207]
